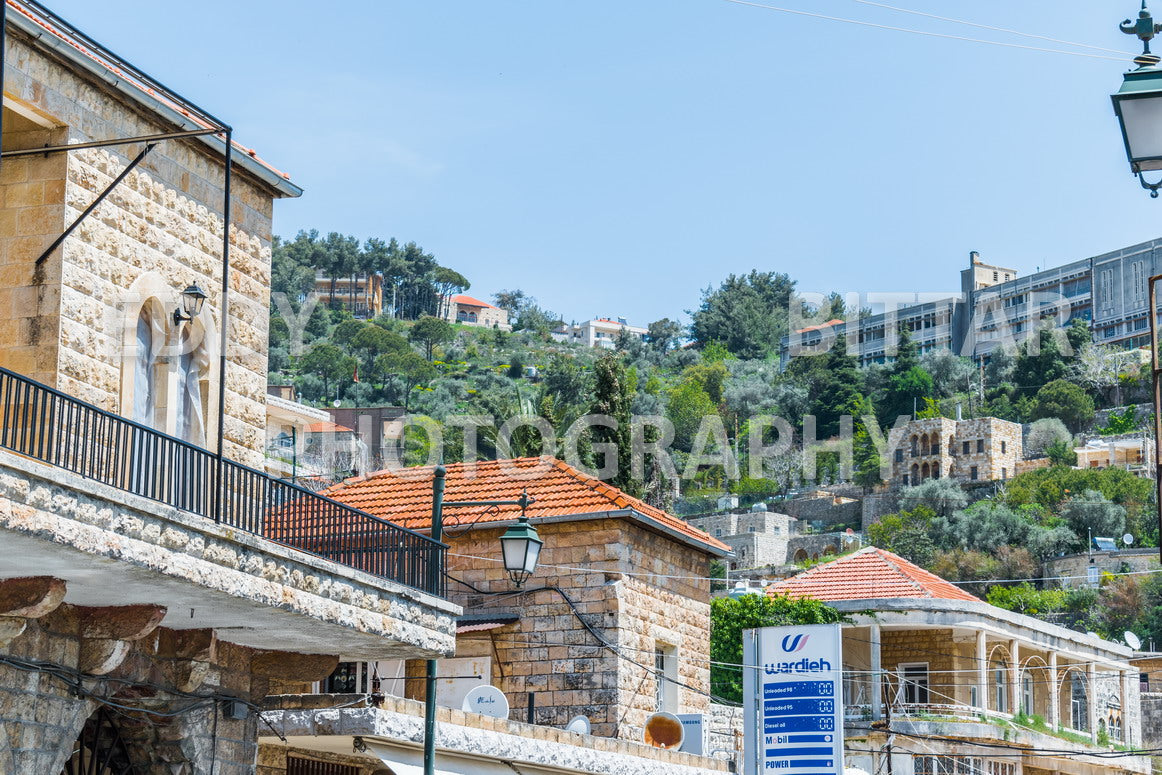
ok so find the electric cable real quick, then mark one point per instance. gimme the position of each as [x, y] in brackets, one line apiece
[923, 32]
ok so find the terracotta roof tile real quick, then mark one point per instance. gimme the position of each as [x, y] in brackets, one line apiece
[869, 574]
[326, 426]
[404, 496]
[468, 301]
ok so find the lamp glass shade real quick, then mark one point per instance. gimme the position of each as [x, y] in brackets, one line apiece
[1138, 105]
[193, 298]
[521, 547]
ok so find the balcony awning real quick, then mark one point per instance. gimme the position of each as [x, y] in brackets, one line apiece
[407, 761]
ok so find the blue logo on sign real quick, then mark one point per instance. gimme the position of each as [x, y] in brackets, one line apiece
[791, 644]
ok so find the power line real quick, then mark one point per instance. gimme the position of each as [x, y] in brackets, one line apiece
[988, 27]
[921, 32]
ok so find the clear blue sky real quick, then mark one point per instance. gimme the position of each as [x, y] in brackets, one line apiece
[615, 157]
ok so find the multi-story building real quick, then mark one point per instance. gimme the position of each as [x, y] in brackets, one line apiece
[937, 681]
[979, 450]
[148, 598]
[598, 332]
[757, 537]
[361, 294]
[998, 309]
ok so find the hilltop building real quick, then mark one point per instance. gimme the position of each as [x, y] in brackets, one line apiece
[984, 449]
[598, 332]
[474, 312]
[997, 308]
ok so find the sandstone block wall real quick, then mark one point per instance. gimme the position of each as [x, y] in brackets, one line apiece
[165, 219]
[549, 652]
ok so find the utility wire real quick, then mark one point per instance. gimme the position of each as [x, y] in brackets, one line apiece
[988, 27]
[923, 32]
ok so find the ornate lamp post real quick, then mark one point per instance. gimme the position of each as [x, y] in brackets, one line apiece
[1138, 105]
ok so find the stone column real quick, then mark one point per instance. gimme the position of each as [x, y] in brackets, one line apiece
[1054, 693]
[982, 671]
[1091, 698]
[1014, 676]
[877, 681]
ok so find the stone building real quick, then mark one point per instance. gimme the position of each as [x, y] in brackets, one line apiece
[148, 603]
[979, 450]
[461, 308]
[756, 538]
[1086, 569]
[614, 626]
[942, 682]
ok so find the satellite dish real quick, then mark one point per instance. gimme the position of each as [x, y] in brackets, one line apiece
[1128, 539]
[336, 403]
[1132, 640]
[487, 701]
[578, 724]
[664, 730]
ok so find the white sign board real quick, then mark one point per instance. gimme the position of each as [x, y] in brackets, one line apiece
[793, 700]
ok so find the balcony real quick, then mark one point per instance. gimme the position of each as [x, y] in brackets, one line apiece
[125, 514]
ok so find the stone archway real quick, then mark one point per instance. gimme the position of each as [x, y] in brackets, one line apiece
[100, 749]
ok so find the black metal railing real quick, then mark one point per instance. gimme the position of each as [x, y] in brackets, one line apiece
[43, 423]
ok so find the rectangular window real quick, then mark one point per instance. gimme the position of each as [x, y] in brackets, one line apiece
[972, 473]
[914, 683]
[1002, 447]
[348, 678]
[666, 676]
[899, 455]
[979, 446]
[964, 447]
[1001, 689]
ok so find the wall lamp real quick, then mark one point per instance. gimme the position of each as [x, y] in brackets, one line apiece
[193, 298]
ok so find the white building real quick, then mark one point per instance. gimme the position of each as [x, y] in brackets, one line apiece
[598, 332]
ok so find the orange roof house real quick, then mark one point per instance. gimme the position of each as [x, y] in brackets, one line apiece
[614, 571]
[916, 647]
[869, 574]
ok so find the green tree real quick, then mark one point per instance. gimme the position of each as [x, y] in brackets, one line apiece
[730, 616]
[663, 334]
[907, 533]
[1039, 361]
[373, 341]
[1061, 453]
[1091, 513]
[430, 331]
[746, 313]
[613, 391]
[908, 383]
[866, 458]
[687, 405]
[1066, 401]
[329, 363]
[837, 391]
[1044, 433]
[409, 367]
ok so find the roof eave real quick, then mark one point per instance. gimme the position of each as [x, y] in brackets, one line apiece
[266, 175]
[637, 516]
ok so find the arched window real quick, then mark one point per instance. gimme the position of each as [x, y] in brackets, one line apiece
[924, 444]
[148, 337]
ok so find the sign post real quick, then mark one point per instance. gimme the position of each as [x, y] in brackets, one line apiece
[793, 700]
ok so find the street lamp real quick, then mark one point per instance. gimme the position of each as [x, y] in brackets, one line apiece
[521, 547]
[1138, 104]
[193, 298]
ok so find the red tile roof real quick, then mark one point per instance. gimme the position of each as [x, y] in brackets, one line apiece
[828, 324]
[869, 574]
[404, 496]
[326, 426]
[468, 301]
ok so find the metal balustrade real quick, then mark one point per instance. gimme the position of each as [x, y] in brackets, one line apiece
[43, 423]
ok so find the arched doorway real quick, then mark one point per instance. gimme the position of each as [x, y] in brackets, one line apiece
[100, 749]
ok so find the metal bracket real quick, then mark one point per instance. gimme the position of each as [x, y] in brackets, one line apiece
[93, 206]
[106, 143]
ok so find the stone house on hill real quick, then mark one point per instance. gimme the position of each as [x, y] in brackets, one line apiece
[964, 686]
[145, 609]
[979, 450]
